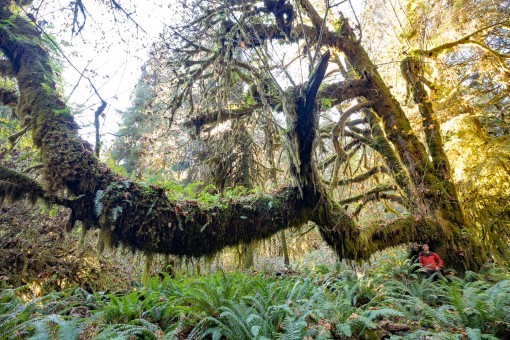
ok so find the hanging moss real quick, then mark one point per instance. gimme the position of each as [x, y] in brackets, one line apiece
[143, 218]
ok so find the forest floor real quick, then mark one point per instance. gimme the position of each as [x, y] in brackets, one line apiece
[387, 298]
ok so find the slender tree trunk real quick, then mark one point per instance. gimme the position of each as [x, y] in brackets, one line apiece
[248, 256]
[246, 162]
[283, 240]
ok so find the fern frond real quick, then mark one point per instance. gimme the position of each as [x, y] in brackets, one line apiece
[125, 331]
[235, 319]
[115, 213]
[344, 329]
[294, 329]
[98, 205]
[148, 325]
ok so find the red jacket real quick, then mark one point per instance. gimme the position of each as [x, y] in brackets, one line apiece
[430, 260]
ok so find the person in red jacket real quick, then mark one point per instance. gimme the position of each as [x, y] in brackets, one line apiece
[431, 262]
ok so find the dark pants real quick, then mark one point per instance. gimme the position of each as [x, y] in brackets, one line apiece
[438, 275]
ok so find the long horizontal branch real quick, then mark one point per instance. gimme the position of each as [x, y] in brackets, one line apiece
[449, 45]
[404, 230]
[144, 218]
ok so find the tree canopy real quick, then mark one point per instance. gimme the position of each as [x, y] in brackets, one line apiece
[296, 79]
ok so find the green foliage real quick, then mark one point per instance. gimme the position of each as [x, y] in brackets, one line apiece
[126, 331]
[113, 165]
[42, 318]
[326, 103]
[205, 194]
[342, 303]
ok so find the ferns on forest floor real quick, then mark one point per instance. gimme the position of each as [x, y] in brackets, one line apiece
[38, 317]
[334, 304]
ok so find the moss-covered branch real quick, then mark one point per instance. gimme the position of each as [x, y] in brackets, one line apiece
[67, 160]
[339, 92]
[364, 176]
[407, 229]
[144, 218]
[217, 117]
[15, 186]
[439, 176]
[370, 195]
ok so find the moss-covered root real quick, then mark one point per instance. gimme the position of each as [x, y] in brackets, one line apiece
[458, 250]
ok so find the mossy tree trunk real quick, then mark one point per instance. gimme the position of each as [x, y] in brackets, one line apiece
[285, 249]
[143, 217]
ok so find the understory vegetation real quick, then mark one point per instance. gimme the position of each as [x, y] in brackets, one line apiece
[387, 298]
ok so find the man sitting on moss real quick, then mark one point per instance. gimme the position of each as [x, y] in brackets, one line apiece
[431, 262]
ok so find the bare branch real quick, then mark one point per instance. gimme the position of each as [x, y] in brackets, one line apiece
[118, 7]
[78, 9]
